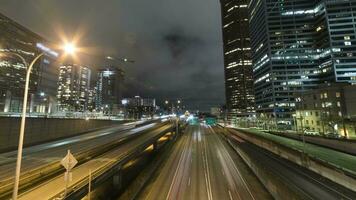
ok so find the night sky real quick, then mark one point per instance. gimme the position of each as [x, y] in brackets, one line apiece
[177, 44]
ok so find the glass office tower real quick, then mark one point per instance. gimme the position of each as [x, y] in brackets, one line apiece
[296, 45]
[18, 39]
[240, 100]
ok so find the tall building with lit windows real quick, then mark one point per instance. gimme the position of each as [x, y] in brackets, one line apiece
[15, 38]
[73, 88]
[109, 87]
[240, 100]
[296, 46]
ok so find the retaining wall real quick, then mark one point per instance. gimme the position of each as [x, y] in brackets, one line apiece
[40, 130]
[334, 173]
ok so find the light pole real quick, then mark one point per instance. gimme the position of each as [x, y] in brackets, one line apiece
[302, 128]
[295, 123]
[23, 121]
[69, 49]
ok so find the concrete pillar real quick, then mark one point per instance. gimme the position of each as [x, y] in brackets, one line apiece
[117, 179]
[155, 146]
[32, 103]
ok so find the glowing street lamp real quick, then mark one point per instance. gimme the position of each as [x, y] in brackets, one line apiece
[69, 49]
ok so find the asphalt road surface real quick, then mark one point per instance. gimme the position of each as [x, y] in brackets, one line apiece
[203, 166]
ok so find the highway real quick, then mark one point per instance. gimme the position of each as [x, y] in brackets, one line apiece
[44, 154]
[53, 151]
[203, 166]
[304, 182]
[55, 187]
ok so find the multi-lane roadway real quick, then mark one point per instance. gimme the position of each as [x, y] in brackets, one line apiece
[203, 166]
[38, 157]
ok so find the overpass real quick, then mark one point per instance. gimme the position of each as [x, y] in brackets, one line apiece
[102, 151]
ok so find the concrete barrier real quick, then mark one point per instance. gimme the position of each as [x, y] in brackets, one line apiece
[39, 130]
[343, 145]
[327, 170]
[276, 186]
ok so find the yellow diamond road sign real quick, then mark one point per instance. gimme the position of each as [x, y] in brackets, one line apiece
[69, 161]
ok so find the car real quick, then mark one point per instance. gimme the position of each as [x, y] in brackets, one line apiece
[311, 132]
[333, 135]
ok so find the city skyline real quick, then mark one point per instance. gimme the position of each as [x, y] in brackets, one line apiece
[184, 48]
[125, 99]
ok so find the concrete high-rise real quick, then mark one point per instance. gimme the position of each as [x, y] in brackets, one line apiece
[296, 46]
[240, 100]
[109, 89]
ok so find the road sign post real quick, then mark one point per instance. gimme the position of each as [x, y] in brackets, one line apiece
[68, 163]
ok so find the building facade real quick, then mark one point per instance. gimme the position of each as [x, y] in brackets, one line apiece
[109, 90]
[296, 46]
[15, 38]
[73, 88]
[240, 100]
[138, 107]
[329, 109]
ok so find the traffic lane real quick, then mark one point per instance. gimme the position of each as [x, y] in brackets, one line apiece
[198, 182]
[179, 183]
[231, 177]
[201, 167]
[220, 175]
[304, 181]
[52, 187]
[159, 188]
[39, 158]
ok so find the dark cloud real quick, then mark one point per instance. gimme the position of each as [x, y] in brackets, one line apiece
[176, 44]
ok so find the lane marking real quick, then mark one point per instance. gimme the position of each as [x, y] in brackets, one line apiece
[230, 195]
[207, 173]
[234, 166]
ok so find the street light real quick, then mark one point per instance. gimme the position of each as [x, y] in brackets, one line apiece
[69, 49]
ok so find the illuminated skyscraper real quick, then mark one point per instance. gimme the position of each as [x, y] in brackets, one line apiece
[297, 45]
[237, 58]
[15, 38]
[73, 88]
